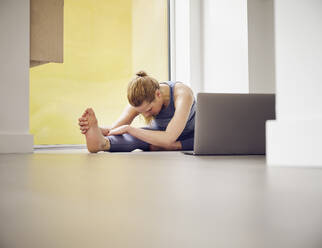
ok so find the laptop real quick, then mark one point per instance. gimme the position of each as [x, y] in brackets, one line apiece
[232, 124]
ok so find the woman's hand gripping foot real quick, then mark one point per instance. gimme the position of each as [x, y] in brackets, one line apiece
[95, 140]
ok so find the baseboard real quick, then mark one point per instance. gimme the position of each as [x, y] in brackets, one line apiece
[16, 143]
[60, 147]
[294, 143]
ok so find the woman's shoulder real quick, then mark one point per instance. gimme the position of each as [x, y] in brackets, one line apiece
[182, 93]
[181, 88]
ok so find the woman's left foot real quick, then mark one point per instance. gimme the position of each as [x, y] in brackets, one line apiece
[95, 141]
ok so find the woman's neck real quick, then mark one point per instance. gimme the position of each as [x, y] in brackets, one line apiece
[165, 93]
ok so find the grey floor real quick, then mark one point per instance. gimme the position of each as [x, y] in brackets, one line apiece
[69, 198]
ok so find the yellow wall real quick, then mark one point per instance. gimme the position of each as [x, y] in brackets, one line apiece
[100, 58]
[150, 37]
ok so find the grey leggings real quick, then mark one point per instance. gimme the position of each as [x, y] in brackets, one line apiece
[128, 143]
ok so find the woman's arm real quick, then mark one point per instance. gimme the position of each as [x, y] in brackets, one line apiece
[126, 118]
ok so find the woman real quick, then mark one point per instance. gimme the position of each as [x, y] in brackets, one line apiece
[168, 107]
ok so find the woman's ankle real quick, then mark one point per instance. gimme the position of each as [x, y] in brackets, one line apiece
[106, 145]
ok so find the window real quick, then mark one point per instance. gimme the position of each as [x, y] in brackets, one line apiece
[105, 43]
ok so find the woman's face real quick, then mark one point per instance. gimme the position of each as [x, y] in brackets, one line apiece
[151, 109]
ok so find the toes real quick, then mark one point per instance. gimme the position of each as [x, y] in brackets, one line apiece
[86, 112]
[89, 118]
[81, 120]
[83, 123]
[91, 112]
[83, 130]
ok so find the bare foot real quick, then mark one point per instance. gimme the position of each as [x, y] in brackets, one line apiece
[95, 140]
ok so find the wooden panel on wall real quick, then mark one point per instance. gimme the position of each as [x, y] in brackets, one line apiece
[46, 31]
[35, 63]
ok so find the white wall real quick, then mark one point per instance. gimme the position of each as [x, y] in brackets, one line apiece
[261, 52]
[186, 42]
[181, 41]
[14, 77]
[295, 138]
[225, 43]
[224, 46]
[196, 45]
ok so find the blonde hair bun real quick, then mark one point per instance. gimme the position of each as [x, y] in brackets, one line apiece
[141, 74]
[142, 88]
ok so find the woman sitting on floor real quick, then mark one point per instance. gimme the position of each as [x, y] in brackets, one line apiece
[168, 107]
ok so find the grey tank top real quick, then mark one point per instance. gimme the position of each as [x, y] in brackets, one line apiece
[162, 120]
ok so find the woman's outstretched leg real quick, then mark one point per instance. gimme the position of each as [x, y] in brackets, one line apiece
[173, 147]
[95, 140]
[126, 143]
